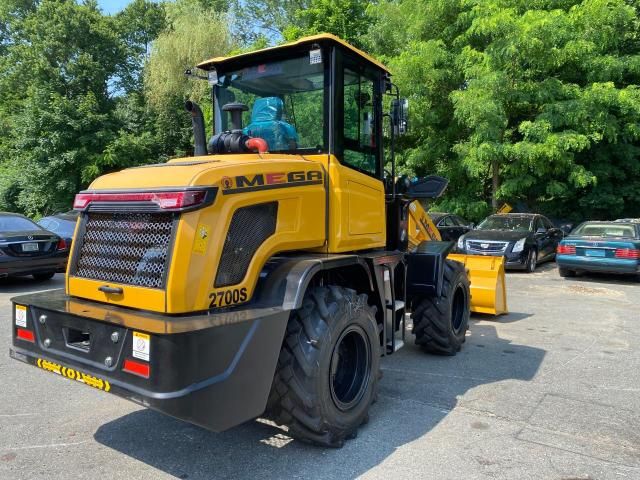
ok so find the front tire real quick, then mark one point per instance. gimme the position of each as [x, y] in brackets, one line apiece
[440, 324]
[532, 261]
[328, 369]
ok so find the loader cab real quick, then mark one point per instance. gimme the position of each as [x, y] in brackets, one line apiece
[319, 98]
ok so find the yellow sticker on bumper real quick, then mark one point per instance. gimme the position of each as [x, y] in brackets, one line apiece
[73, 374]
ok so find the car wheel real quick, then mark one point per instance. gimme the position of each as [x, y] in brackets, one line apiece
[532, 261]
[565, 272]
[43, 276]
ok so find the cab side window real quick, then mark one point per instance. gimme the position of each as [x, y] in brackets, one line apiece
[359, 122]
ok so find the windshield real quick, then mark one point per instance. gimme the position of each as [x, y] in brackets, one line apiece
[284, 100]
[16, 224]
[605, 230]
[513, 224]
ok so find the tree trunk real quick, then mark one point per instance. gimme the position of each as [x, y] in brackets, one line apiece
[495, 184]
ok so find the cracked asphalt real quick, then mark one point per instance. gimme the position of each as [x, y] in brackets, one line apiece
[549, 391]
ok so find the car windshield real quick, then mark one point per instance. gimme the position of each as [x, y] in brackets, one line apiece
[605, 230]
[16, 224]
[284, 103]
[513, 224]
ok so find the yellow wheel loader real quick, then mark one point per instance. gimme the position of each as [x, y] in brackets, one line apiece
[266, 275]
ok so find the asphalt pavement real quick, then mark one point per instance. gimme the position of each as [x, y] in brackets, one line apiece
[549, 391]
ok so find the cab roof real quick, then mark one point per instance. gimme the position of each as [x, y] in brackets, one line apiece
[218, 62]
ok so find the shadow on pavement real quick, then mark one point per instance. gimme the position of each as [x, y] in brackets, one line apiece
[510, 317]
[417, 391]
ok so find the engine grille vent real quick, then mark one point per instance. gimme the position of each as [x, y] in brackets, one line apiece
[128, 248]
[249, 228]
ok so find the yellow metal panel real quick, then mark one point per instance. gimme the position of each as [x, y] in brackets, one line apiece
[488, 285]
[420, 226]
[131, 296]
[356, 210]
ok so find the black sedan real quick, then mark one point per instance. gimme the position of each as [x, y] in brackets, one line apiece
[28, 249]
[524, 239]
[450, 226]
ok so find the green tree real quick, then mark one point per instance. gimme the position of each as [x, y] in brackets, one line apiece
[195, 34]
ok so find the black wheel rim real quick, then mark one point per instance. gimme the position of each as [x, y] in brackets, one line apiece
[350, 367]
[458, 309]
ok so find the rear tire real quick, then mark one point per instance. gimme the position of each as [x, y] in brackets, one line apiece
[566, 273]
[328, 369]
[41, 277]
[440, 324]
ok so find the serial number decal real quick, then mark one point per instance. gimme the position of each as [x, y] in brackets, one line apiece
[73, 374]
[225, 298]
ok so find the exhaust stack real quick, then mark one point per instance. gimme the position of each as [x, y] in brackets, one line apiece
[197, 121]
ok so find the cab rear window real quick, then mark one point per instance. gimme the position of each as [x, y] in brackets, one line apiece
[606, 230]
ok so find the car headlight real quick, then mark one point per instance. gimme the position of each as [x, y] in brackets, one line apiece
[519, 246]
[461, 243]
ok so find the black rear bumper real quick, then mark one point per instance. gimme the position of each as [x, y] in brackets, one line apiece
[212, 370]
[29, 266]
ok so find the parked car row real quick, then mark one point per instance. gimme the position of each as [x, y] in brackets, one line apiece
[526, 240]
[29, 248]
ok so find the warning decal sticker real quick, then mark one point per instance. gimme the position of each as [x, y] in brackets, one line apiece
[141, 344]
[21, 316]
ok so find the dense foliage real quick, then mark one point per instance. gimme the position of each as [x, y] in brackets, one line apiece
[531, 102]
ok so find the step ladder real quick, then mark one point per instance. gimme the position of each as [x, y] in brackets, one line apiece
[393, 331]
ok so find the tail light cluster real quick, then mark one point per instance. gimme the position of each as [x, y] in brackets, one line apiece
[628, 253]
[167, 201]
[566, 249]
[62, 244]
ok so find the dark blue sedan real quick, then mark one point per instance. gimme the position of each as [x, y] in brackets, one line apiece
[607, 247]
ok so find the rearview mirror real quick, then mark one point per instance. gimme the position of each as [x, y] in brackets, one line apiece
[400, 116]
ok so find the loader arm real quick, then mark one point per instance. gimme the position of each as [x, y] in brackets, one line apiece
[486, 273]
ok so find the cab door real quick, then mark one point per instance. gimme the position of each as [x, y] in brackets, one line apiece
[357, 206]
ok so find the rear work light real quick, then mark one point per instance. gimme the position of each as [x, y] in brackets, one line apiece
[168, 201]
[24, 334]
[628, 253]
[566, 249]
[137, 368]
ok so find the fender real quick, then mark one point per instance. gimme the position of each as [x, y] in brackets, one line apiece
[284, 280]
[425, 268]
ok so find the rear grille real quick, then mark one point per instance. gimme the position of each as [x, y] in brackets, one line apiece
[249, 228]
[489, 247]
[128, 248]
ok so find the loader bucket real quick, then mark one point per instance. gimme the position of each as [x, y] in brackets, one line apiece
[488, 287]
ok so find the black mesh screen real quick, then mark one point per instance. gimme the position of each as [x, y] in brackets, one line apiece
[250, 227]
[129, 248]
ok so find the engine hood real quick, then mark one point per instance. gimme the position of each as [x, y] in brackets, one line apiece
[212, 170]
[499, 235]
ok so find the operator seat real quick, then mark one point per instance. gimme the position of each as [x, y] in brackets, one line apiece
[267, 123]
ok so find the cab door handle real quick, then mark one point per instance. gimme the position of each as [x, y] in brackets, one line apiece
[108, 289]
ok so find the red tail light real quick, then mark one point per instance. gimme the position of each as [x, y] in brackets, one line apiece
[628, 253]
[137, 368]
[566, 249]
[24, 334]
[164, 200]
[62, 244]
